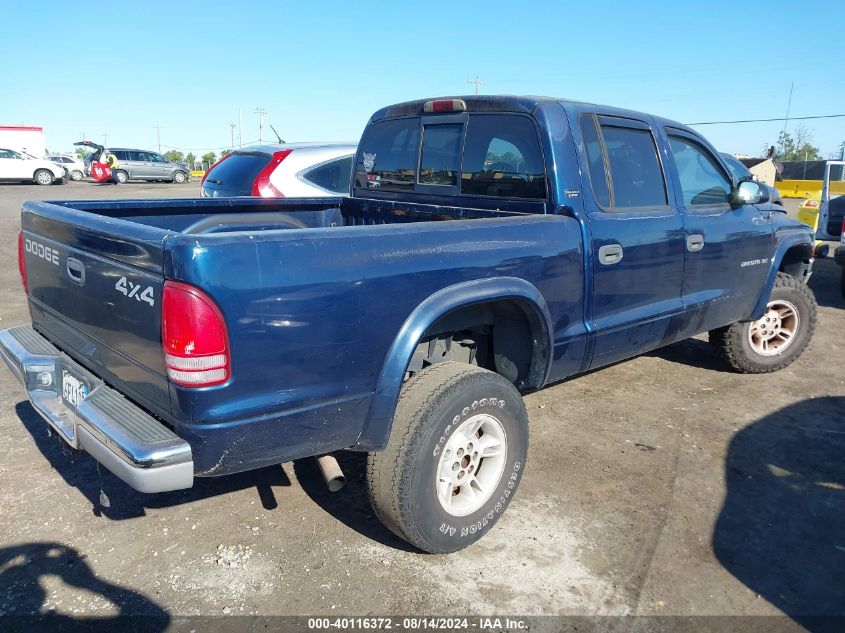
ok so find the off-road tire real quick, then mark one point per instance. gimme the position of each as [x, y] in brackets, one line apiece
[733, 345]
[401, 479]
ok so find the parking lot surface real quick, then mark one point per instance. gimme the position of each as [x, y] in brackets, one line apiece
[662, 485]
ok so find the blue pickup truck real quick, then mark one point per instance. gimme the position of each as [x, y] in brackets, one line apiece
[490, 246]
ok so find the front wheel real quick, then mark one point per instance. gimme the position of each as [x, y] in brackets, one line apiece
[777, 338]
[455, 457]
[179, 177]
[43, 177]
[76, 175]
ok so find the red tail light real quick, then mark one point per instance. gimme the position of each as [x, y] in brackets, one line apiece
[193, 332]
[22, 261]
[841, 238]
[205, 175]
[262, 185]
[445, 105]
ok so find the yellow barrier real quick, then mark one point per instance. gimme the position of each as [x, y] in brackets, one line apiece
[197, 173]
[807, 188]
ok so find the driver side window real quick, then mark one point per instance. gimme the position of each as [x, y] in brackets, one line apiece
[703, 182]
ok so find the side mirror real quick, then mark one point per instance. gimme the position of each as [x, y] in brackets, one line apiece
[750, 192]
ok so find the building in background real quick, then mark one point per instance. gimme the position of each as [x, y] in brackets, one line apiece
[23, 138]
[763, 169]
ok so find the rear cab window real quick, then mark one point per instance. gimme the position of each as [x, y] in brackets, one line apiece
[475, 154]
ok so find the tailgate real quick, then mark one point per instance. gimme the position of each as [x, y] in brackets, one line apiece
[95, 287]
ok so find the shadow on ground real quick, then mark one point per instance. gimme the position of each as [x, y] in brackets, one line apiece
[350, 506]
[781, 531]
[79, 470]
[24, 603]
[826, 283]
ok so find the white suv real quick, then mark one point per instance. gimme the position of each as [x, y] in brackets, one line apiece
[74, 165]
[15, 166]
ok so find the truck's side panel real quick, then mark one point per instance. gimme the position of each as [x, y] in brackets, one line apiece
[310, 332]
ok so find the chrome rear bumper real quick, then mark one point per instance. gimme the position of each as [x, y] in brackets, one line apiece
[129, 442]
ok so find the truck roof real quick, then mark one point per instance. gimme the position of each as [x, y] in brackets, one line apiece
[526, 104]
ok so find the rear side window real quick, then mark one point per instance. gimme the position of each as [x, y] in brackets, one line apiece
[332, 176]
[440, 161]
[238, 172]
[143, 156]
[502, 158]
[702, 180]
[595, 160]
[635, 175]
[121, 154]
[387, 160]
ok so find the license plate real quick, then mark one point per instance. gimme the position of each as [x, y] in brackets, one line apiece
[74, 389]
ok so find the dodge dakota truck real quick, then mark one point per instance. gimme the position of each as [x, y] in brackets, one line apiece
[490, 246]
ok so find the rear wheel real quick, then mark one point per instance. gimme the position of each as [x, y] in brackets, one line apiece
[43, 177]
[179, 177]
[455, 457]
[121, 176]
[777, 338]
[76, 175]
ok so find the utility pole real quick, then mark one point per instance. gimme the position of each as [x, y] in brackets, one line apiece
[106, 139]
[788, 106]
[240, 128]
[260, 112]
[232, 129]
[158, 137]
[477, 83]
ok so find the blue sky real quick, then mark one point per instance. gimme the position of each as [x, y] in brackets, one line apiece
[321, 68]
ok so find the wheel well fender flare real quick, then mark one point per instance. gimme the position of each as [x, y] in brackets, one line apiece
[376, 429]
[801, 242]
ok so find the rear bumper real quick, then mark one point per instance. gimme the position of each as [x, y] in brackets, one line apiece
[122, 437]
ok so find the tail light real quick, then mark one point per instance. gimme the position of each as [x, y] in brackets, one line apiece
[193, 332]
[445, 105]
[262, 186]
[207, 171]
[841, 238]
[22, 261]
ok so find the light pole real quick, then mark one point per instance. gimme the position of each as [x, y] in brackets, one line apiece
[232, 129]
[158, 137]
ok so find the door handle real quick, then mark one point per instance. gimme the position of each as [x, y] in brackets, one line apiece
[695, 243]
[76, 271]
[610, 254]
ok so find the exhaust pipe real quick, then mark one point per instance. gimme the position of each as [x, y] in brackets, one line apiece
[331, 473]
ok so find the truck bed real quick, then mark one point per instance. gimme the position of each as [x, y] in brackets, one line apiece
[203, 216]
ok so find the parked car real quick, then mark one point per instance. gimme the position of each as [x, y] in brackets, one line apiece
[489, 246]
[741, 172]
[139, 164]
[73, 164]
[272, 171]
[22, 167]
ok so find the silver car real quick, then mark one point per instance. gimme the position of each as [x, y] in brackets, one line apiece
[141, 164]
[289, 170]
